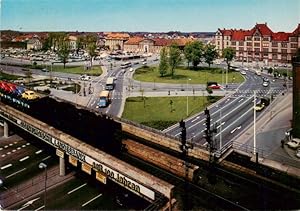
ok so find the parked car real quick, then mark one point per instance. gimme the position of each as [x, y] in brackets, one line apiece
[298, 153]
[243, 72]
[265, 84]
[85, 78]
[30, 95]
[144, 63]
[294, 143]
[45, 70]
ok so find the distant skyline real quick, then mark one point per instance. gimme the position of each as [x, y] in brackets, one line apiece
[147, 15]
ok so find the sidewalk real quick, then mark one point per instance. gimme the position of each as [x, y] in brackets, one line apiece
[270, 130]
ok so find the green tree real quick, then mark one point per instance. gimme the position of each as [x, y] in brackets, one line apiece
[92, 51]
[188, 49]
[228, 54]
[163, 64]
[174, 58]
[63, 52]
[210, 54]
[80, 43]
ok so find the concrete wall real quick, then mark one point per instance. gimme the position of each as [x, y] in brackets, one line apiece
[158, 158]
[163, 140]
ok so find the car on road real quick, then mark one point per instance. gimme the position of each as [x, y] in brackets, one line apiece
[30, 95]
[294, 143]
[144, 63]
[265, 84]
[131, 69]
[45, 70]
[85, 78]
[265, 79]
[243, 72]
[215, 86]
[259, 107]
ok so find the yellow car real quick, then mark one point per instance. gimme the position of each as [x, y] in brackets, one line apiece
[30, 95]
[259, 107]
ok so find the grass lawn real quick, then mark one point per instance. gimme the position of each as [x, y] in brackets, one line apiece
[96, 70]
[200, 76]
[158, 112]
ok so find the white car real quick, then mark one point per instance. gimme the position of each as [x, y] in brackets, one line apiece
[265, 84]
[85, 78]
[243, 72]
[144, 63]
[298, 153]
[294, 144]
[130, 69]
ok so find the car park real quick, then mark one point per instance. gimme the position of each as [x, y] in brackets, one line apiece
[294, 143]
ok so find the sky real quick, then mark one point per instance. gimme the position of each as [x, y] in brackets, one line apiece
[147, 15]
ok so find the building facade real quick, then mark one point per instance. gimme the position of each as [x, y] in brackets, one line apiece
[34, 44]
[296, 97]
[115, 41]
[146, 45]
[259, 43]
[72, 42]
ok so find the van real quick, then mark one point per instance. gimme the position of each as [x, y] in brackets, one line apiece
[257, 72]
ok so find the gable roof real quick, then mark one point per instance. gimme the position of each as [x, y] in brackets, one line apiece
[297, 30]
[134, 40]
[281, 36]
[263, 29]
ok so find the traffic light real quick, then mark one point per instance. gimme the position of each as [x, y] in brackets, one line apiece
[183, 136]
[182, 124]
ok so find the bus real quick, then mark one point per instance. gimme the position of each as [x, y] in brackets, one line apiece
[125, 65]
[104, 99]
[110, 83]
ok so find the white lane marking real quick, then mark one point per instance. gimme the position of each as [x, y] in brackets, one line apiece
[195, 119]
[15, 173]
[251, 109]
[38, 152]
[178, 134]
[40, 208]
[220, 125]
[241, 100]
[46, 158]
[24, 158]
[29, 203]
[6, 166]
[91, 200]
[75, 189]
[205, 143]
[223, 108]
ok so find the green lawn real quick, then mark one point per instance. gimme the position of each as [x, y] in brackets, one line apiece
[200, 76]
[96, 70]
[157, 111]
[4, 76]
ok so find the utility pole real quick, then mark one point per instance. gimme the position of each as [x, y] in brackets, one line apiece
[184, 148]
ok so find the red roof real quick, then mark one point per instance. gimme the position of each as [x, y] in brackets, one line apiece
[134, 40]
[297, 30]
[263, 29]
[226, 32]
[281, 36]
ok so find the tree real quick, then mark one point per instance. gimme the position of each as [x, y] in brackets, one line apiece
[194, 52]
[92, 51]
[174, 58]
[228, 54]
[210, 54]
[80, 43]
[188, 48]
[28, 75]
[163, 64]
[63, 52]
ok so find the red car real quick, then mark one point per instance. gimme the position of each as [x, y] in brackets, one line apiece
[214, 86]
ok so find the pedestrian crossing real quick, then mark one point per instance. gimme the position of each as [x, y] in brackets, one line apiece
[249, 93]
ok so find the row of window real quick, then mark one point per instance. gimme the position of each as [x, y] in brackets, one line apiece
[247, 38]
[257, 44]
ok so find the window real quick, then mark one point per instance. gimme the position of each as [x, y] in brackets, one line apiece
[248, 38]
[241, 43]
[249, 43]
[266, 39]
[275, 50]
[256, 38]
[265, 49]
[256, 49]
[284, 45]
[256, 44]
[265, 44]
[274, 44]
[265, 55]
[283, 51]
[293, 39]
[233, 43]
[294, 45]
[274, 56]
[241, 49]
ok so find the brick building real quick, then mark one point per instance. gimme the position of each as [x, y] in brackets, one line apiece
[259, 43]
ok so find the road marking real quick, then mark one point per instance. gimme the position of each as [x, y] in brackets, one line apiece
[91, 200]
[6, 166]
[220, 125]
[15, 173]
[24, 206]
[38, 152]
[40, 208]
[24, 158]
[241, 100]
[195, 119]
[205, 143]
[46, 158]
[75, 189]
[28, 203]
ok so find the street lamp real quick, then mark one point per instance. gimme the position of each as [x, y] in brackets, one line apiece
[187, 97]
[44, 166]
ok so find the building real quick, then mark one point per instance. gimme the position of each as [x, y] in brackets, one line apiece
[146, 45]
[259, 43]
[296, 97]
[72, 42]
[115, 41]
[34, 44]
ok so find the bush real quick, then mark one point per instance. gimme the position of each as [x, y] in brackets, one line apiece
[212, 99]
[160, 125]
[209, 90]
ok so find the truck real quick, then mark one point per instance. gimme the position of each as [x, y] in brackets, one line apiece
[104, 99]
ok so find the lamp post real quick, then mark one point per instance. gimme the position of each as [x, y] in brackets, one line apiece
[187, 97]
[44, 166]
